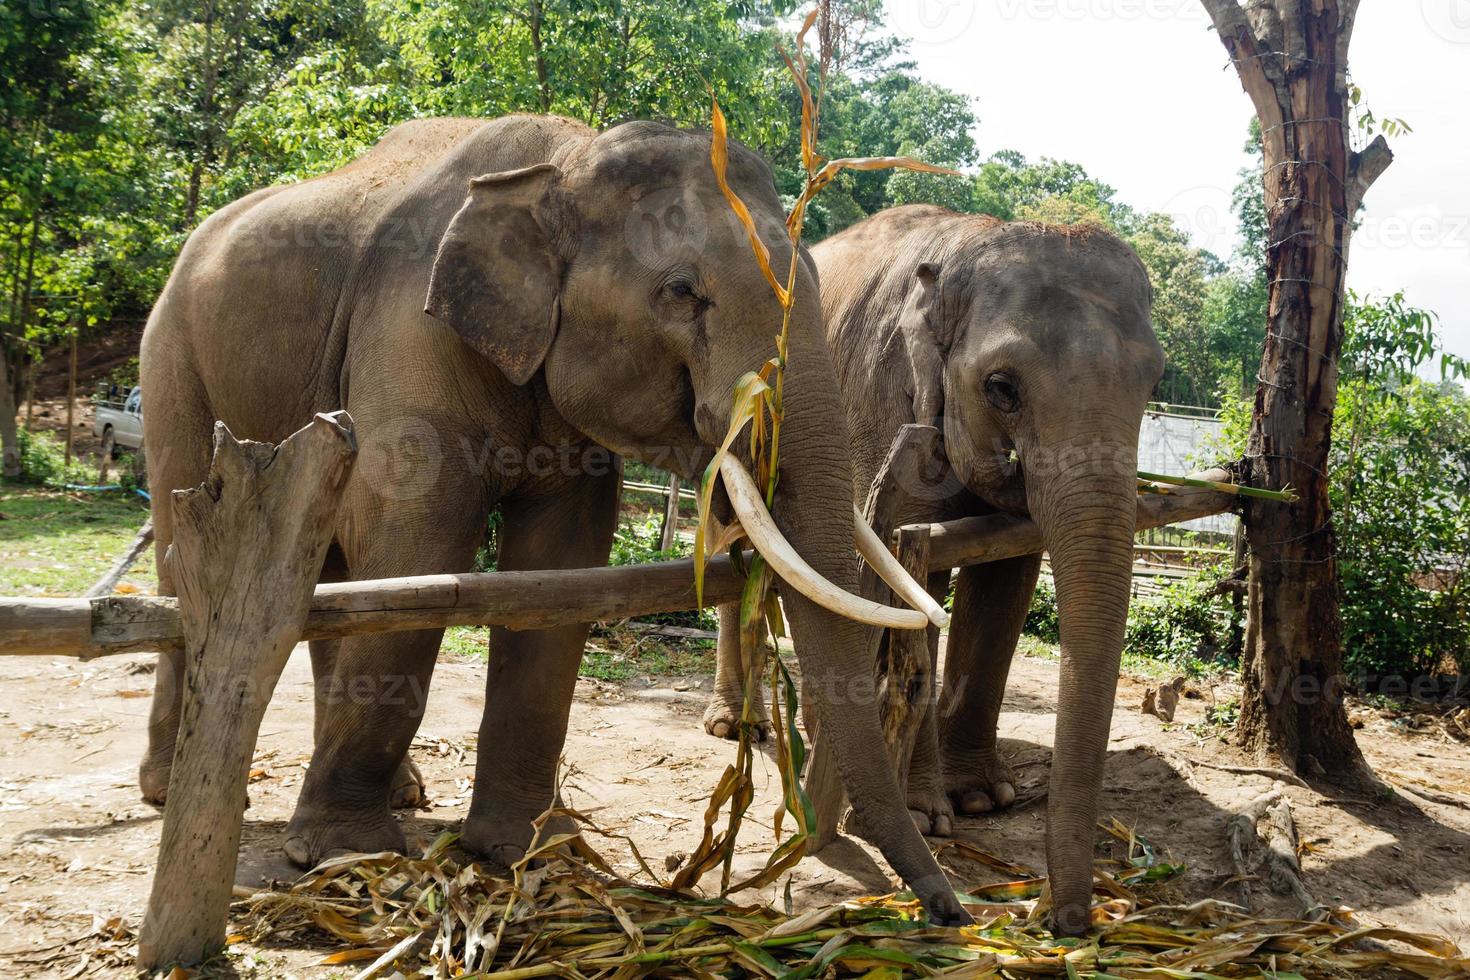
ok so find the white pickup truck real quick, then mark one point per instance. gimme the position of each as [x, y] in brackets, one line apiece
[119, 423]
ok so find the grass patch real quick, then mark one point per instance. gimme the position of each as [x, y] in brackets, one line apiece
[612, 653]
[57, 543]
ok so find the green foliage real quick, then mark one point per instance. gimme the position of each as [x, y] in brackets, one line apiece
[1400, 492]
[124, 375]
[1401, 503]
[637, 542]
[1184, 626]
[1399, 487]
[43, 462]
[1041, 618]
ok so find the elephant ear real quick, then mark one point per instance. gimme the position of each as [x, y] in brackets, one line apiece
[927, 342]
[497, 276]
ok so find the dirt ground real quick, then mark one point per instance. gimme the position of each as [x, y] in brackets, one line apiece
[50, 416]
[77, 845]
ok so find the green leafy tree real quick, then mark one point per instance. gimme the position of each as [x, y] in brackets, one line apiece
[1401, 494]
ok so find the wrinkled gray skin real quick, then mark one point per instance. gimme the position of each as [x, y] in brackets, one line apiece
[562, 328]
[1014, 336]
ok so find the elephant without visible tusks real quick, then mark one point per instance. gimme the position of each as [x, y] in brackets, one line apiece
[1031, 348]
[507, 308]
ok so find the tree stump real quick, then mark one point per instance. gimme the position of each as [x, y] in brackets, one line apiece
[248, 547]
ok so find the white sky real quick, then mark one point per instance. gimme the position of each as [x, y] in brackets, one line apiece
[1140, 93]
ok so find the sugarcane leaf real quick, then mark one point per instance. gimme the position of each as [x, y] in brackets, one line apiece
[719, 155]
[749, 399]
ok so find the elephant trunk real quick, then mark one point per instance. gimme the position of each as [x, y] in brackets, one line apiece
[1087, 510]
[813, 509]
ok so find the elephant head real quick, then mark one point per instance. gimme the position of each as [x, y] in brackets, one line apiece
[618, 274]
[1034, 345]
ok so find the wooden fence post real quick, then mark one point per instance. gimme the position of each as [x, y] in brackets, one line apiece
[906, 687]
[248, 547]
[71, 395]
[670, 527]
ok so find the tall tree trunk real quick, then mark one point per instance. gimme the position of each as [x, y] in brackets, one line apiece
[204, 152]
[14, 353]
[9, 439]
[537, 18]
[1291, 56]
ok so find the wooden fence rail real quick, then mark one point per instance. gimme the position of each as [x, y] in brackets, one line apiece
[88, 628]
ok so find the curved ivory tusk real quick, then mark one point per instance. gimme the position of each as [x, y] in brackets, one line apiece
[793, 569]
[871, 547]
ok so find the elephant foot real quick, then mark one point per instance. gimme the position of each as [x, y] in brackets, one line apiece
[722, 717]
[501, 838]
[153, 777]
[978, 781]
[314, 835]
[929, 806]
[408, 786]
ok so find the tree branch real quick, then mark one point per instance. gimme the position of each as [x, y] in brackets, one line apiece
[1260, 70]
[1348, 17]
[1366, 167]
[1226, 14]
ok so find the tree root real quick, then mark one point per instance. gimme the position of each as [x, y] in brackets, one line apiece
[1430, 796]
[1280, 775]
[1283, 871]
[1182, 762]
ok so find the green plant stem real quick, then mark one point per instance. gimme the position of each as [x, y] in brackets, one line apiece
[1286, 496]
[661, 956]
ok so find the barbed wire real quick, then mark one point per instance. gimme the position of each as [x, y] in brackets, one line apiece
[1301, 122]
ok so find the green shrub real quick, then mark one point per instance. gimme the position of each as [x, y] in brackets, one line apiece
[43, 462]
[125, 375]
[1041, 618]
[1401, 514]
[1184, 626]
[637, 542]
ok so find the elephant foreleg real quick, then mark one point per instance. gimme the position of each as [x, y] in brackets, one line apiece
[722, 714]
[408, 783]
[371, 707]
[532, 674]
[990, 605]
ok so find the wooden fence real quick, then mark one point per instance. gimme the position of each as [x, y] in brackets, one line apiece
[248, 545]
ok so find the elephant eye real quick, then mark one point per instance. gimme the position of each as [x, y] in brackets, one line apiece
[682, 289]
[1002, 392]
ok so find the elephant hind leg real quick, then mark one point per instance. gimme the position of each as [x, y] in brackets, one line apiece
[722, 714]
[177, 458]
